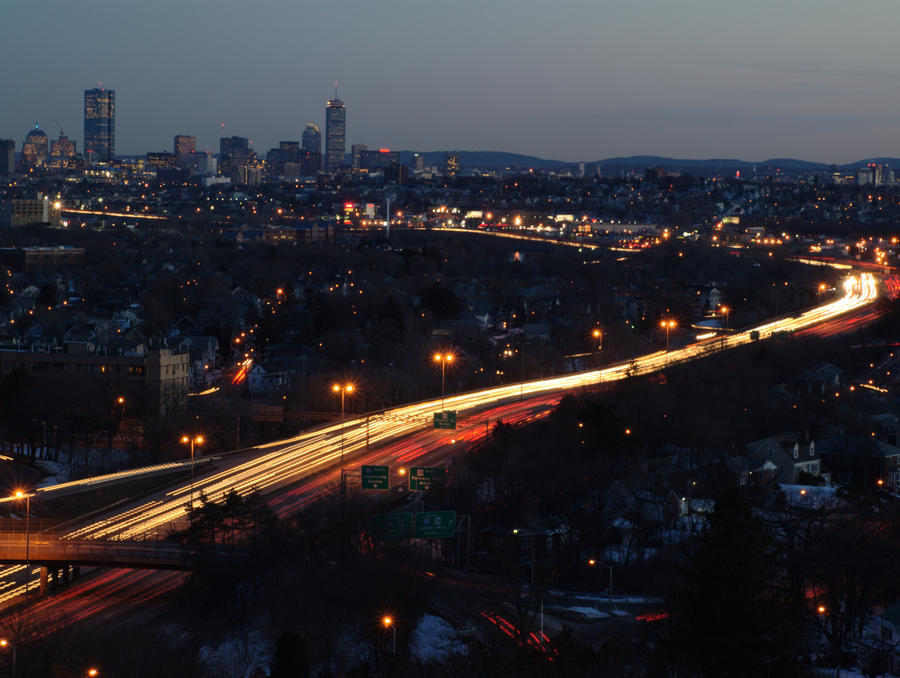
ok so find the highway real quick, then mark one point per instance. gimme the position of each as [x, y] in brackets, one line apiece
[399, 436]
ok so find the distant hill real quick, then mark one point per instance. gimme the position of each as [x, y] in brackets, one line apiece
[498, 160]
[486, 160]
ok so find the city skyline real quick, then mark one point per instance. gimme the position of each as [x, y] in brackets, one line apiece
[809, 80]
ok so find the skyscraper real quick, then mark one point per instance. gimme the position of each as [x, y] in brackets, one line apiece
[7, 156]
[335, 133]
[311, 150]
[183, 146]
[99, 125]
[312, 139]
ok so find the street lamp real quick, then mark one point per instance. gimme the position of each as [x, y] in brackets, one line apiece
[27, 497]
[198, 440]
[93, 672]
[4, 643]
[668, 324]
[343, 390]
[726, 311]
[593, 562]
[443, 359]
[388, 623]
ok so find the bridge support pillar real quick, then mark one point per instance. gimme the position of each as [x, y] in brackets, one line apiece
[76, 572]
[44, 572]
[54, 577]
[65, 574]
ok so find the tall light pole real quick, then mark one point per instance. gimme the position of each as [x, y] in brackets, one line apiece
[597, 336]
[343, 389]
[593, 562]
[443, 359]
[389, 624]
[668, 324]
[726, 311]
[198, 440]
[27, 497]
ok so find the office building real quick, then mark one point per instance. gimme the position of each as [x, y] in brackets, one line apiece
[312, 139]
[335, 134]
[36, 149]
[451, 164]
[7, 156]
[62, 147]
[203, 163]
[99, 125]
[356, 151]
[231, 150]
[183, 146]
[418, 162]
[380, 159]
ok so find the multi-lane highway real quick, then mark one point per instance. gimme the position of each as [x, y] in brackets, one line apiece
[400, 436]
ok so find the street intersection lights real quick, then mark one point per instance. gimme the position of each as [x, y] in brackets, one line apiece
[198, 440]
[443, 359]
[668, 324]
[343, 389]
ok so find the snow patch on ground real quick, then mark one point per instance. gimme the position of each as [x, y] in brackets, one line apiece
[239, 656]
[589, 612]
[434, 639]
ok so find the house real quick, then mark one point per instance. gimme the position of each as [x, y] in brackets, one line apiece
[266, 382]
[823, 378]
[862, 461]
[879, 645]
[781, 458]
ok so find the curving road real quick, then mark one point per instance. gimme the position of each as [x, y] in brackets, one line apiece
[397, 437]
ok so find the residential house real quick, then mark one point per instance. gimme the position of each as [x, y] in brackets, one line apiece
[862, 461]
[781, 458]
[880, 642]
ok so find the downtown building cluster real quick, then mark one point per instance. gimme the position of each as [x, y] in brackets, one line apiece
[236, 162]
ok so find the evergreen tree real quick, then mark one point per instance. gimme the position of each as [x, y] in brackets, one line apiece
[727, 620]
[290, 657]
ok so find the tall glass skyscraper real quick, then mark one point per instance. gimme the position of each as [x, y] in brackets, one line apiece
[99, 125]
[335, 133]
[312, 139]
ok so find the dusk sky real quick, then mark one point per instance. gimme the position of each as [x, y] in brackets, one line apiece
[570, 80]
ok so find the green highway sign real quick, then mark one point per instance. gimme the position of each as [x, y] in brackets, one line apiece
[392, 526]
[422, 478]
[445, 419]
[375, 478]
[435, 524]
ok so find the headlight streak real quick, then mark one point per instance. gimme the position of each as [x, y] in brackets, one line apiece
[286, 461]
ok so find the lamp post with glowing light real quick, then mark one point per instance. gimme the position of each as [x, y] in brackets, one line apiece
[597, 336]
[27, 497]
[726, 310]
[388, 623]
[593, 562]
[4, 643]
[198, 440]
[443, 359]
[668, 325]
[343, 390]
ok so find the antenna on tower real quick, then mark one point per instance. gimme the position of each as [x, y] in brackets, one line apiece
[58, 127]
[335, 88]
[223, 129]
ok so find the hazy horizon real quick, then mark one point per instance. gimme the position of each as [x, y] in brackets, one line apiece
[581, 81]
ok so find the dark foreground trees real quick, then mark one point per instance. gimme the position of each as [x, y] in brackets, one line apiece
[728, 620]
